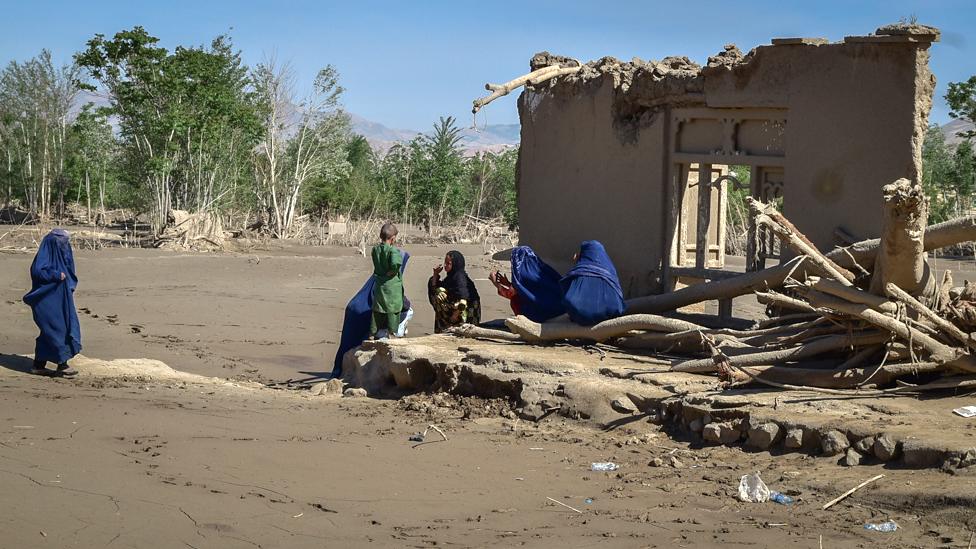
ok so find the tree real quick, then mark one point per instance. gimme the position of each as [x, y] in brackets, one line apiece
[961, 97]
[302, 141]
[964, 176]
[187, 121]
[937, 174]
[92, 150]
[35, 101]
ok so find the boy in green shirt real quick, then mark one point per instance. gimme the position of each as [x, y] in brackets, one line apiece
[388, 290]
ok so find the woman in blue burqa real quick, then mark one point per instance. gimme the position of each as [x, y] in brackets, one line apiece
[51, 299]
[534, 289]
[359, 312]
[591, 289]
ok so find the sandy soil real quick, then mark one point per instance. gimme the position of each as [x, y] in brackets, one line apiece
[153, 464]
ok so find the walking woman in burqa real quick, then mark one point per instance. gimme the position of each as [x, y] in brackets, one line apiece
[591, 289]
[455, 298]
[51, 299]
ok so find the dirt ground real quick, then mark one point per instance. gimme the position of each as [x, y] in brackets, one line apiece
[148, 464]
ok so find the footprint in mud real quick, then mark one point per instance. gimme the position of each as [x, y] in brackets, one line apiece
[135, 328]
[323, 508]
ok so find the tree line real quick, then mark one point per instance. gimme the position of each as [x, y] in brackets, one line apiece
[196, 129]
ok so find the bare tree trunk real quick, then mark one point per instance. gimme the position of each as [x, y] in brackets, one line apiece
[901, 257]
[88, 194]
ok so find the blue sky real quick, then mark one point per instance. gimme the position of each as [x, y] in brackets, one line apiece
[406, 63]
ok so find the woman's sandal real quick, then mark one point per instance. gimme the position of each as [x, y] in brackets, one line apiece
[66, 371]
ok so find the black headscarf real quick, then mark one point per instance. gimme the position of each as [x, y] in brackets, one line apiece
[457, 282]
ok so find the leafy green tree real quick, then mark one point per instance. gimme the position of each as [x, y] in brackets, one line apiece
[964, 176]
[186, 119]
[961, 97]
[91, 156]
[938, 174]
[35, 102]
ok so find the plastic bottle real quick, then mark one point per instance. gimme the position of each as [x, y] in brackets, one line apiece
[603, 466]
[782, 499]
[887, 526]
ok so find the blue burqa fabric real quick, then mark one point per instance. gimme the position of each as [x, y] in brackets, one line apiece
[359, 311]
[539, 295]
[591, 289]
[52, 300]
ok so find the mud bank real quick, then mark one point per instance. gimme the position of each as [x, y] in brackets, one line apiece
[614, 390]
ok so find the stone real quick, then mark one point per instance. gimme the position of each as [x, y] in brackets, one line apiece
[673, 462]
[852, 458]
[623, 406]
[885, 448]
[529, 397]
[656, 462]
[793, 439]
[333, 386]
[696, 425]
[916, 455]
[865, 445]
[720, 433]
[354, 392]
[317, 389]
[834, 443]
[532, 412]
[764, 435]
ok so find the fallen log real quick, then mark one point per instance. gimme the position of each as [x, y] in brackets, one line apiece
[835, 379]
[938, 351]
[743, 284]
[940, 235]
[777, 299]
[942, 324]
[534, 332]
[852, 294]
[764, 214]
[535, 77]
[477, 332]
[780, 356]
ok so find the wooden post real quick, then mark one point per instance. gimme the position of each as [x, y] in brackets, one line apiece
[704, 215]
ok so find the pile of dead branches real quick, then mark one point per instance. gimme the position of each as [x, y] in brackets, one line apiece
[192, 231]
[861, 319]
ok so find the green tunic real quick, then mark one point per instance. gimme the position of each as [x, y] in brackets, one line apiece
[388, 291]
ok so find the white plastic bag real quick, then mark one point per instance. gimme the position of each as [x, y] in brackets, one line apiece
[753, 489]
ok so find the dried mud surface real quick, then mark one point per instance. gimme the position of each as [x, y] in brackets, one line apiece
[124, 462]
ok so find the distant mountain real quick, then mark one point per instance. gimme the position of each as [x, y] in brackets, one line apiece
[951, 130]
[493, 138]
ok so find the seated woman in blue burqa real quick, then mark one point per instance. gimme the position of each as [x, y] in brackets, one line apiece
[591, 289]
[51, 299]
[534, 289]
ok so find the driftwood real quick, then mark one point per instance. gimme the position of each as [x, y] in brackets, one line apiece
[766, 215]
[533, 78]
[834, 379]
[477, 332]
[558, 331]
[747, 283]
[777, 299]
[851, 294]
[942, 324]
[782, 356]
[939, 352]
[937, 236]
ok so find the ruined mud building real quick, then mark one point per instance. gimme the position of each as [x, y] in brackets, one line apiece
[616, 151]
